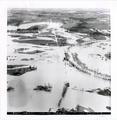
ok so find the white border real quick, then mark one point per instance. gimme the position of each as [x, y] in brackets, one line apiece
[54, 4]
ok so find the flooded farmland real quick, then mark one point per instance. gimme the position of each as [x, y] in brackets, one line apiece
[58, 61]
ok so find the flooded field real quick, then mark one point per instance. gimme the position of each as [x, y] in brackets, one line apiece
[45, 54]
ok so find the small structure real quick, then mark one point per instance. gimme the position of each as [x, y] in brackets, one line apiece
[46, 88]
[10, 89]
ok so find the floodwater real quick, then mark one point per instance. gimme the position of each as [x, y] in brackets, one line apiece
[52, 70]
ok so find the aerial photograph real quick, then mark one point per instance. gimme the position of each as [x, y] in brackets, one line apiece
[58, 61]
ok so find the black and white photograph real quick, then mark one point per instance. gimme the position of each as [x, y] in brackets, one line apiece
[58, 61]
